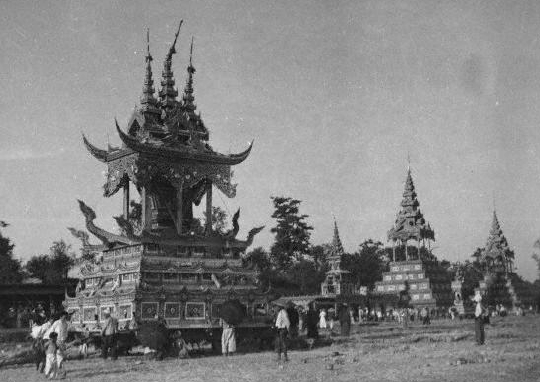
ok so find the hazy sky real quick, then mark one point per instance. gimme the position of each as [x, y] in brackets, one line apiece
[334, 93]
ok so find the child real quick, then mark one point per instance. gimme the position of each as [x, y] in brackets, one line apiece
[50, 360]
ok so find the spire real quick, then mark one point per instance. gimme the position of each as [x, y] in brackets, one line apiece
[410, 222]
[148, 102]
[497, 249]
[496, 242]
[168, 93]
[188, 90]
[337, 247]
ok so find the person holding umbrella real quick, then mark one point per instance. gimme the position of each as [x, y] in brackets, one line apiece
[232, 313]
[228, 338]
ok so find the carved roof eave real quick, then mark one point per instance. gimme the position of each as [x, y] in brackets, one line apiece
[179, 155]
[415, 233]
[101, 271]
[97, 153]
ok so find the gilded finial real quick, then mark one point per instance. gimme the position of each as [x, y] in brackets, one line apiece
[168, 93]
[148, 55]
[191, 51]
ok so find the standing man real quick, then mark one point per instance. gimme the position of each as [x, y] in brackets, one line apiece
[478, 319]
[108, 336]
[282, 325]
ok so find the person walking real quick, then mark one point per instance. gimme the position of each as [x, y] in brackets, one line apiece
[109, 336]
[228, 338]
[282, 325]
[479, 319]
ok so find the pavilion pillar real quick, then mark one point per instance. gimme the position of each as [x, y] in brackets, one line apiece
[394, 251]
[406, 252]
[126, 198]
[418, 248]
[146, 208]
[209, 209]
[179, 212]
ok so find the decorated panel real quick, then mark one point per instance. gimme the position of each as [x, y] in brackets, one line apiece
[172, 310]
[195, 310]
[124, 312]
[149, 310]
[89, 314]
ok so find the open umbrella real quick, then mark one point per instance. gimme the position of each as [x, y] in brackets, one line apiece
[232, 312]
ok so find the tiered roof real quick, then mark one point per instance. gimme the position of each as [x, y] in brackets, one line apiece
[336, 252]
[496, 248]
[410, 222]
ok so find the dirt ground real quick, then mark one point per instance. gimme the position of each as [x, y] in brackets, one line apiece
[445, 351]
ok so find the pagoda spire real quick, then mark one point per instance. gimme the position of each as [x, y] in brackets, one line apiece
[410, 223]
[496, 249]
[149, 104]
[336, 250]
[168, 93]
[337, 247]
[187, 98]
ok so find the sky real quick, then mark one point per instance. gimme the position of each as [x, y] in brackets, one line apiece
[336, 95]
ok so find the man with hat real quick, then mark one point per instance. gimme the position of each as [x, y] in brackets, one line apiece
[109, 335]
[478, 318]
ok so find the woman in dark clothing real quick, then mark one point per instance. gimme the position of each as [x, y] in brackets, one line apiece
[312, 319]
[345, 320]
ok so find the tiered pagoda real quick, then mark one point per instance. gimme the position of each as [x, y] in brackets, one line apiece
[338, 281]
[428, 284]
[164, 262]
[497, 261]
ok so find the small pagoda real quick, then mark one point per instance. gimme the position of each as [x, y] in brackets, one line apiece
[428, 284]
[338, 281]
[164, 262]
[497, 262]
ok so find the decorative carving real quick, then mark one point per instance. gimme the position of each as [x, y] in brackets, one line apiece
[107, 238]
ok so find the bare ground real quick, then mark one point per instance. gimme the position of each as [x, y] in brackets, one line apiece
[443, 352]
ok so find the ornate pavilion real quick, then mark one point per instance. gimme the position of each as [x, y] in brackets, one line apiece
[413, 268]
[164, 262]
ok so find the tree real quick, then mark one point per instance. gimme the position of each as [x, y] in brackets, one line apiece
[52, 268]
[10, 270]
[319, 254]
[367, 264]
[292, 232]
[219, 220]
[305, 276]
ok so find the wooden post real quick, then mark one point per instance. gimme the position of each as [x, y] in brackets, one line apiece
[126, 198]
[209, 209]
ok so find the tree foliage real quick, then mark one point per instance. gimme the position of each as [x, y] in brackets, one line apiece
[10, 269]
[292, 232]
[367, 264]
[52, 268]
[219, 220]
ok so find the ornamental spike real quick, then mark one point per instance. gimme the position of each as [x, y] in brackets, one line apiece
[148, 101]
[168, 93]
